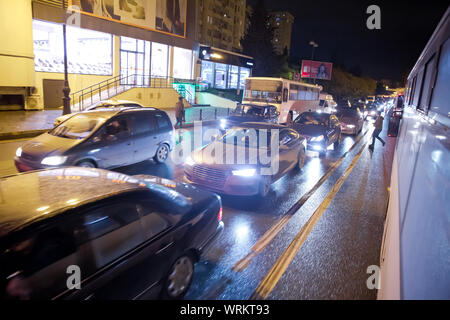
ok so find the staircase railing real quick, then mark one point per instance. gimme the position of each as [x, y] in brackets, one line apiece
[106, 89]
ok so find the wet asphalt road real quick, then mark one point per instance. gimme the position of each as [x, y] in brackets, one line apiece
[333, 260]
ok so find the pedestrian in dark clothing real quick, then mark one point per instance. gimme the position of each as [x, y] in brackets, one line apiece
[179, 112]
[378, 128]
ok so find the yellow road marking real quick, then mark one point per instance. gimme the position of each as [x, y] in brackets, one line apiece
[270, 234]
[273, 276]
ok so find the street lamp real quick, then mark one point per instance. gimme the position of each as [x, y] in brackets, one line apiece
[66, 89]
[314, 46]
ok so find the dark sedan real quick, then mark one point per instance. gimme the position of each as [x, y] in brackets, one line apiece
[94, 234]
[102, 139]
[351, 120]
[320, 129]
[250, 113]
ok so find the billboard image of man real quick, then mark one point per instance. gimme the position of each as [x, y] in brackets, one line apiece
[170, 16]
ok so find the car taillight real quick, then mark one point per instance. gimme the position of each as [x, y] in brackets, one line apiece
[219, 216]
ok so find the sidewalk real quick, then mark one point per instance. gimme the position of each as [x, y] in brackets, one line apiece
[25, 124]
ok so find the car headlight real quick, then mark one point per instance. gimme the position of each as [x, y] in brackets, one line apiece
[373, 113]
[245, 172]
[223, 124]
[54, 160]
[351, 126]
[365, 113]
[317, 139]
[189, 161]
[19, 152]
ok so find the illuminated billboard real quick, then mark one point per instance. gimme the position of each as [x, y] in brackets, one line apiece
[166, 16]
[316, 70]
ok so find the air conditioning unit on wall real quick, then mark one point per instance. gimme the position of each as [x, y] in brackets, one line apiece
[33, 102]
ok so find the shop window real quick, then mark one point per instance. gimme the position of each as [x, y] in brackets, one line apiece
[208, 73]
[160, 60]
[88, 52]
[233, 77]
[134, 61]
[182, 63]
[244, 74]
[221, 76]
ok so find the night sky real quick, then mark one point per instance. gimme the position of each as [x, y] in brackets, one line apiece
[339, 27]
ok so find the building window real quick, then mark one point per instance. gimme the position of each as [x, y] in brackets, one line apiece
[221, 76]
[233, 77]
[244, 74]
[88, 52]
[208, 73]
[160, 60]
[182, 63]
[134, 61]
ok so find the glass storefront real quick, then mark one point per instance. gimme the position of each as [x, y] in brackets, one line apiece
[222, 76]
[182, 63]
[88, 52]
[134, 61]
[160, 60]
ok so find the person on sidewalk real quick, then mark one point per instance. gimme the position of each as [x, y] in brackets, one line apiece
[179, 112]
[378, 128]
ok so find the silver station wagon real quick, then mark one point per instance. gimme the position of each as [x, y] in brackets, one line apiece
[102, 139]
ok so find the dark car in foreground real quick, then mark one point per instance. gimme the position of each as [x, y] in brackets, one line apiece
[102, 139]
[84, 233]
[250, 113]
[320, 129]
[351, 120]
[248, 174]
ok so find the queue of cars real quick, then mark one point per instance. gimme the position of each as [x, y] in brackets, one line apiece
[140, 233]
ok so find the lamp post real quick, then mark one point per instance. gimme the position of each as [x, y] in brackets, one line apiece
[66, 89]
[314, 46]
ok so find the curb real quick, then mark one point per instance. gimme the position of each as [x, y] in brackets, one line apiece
[21, 134]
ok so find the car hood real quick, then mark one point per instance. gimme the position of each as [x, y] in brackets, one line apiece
[348, 120]
[207, 156]
[46, 144]
[64, 117]
[310, 130]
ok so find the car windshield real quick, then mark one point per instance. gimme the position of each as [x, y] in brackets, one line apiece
[316, 119]
[78, 127]
[249, 110]
[249, 137]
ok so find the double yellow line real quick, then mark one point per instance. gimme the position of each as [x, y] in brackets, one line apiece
[273, 276]
[270, 234]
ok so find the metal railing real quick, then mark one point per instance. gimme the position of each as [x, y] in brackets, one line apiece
[106, 89]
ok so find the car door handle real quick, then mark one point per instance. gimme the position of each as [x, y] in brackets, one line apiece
[164, 247]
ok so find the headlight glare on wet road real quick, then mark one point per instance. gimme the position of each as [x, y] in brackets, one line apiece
[244, 172]
[54, 161]
[189, 161]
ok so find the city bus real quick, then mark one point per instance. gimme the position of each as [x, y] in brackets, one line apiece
[290, 97]
[415, 251]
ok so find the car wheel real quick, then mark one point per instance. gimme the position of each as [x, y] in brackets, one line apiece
[86, 164]
[264, 186]
[162, 153]
[179, 278]
[301, 159]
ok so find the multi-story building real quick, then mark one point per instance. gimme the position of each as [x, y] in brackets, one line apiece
[147, 53]
[281, 22]
[221, 23]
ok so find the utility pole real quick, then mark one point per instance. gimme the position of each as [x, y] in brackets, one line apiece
[66, 89]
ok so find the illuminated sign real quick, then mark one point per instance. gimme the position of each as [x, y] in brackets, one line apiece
[316, 70]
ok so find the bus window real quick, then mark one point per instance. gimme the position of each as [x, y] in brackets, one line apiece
[285, 95]
[429, 71]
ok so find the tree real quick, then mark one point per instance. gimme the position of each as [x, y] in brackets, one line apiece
[257, 43]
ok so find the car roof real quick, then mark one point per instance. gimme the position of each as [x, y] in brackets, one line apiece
[261, 125]
[37, 195]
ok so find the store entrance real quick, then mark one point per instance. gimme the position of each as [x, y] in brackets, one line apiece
[134, 62]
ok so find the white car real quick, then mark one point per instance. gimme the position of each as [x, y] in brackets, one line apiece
[104, 104]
